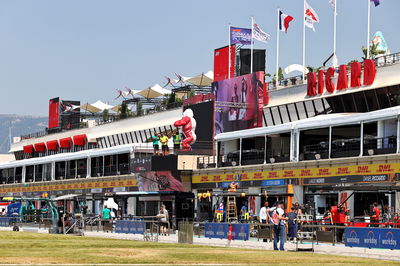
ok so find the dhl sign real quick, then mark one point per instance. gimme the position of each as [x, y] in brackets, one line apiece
[81, 185]
[368, 169]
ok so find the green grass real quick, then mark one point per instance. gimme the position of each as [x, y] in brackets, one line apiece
[31, 248]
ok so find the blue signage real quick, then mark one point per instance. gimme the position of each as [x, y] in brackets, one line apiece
[4, 221]
[129, 227]
[271, 183]
[368, 237]
[220, 230]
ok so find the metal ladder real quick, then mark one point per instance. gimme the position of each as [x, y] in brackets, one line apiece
[231, 211]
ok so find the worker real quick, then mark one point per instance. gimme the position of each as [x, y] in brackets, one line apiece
[177, 141]
[220, 212]
[233, 186]
[164, 144]
[156, 143]
[376, 214]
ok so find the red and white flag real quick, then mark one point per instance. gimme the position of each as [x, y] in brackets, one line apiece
[310, 16]
[284, 21]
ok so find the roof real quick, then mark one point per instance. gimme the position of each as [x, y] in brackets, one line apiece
[320, 121]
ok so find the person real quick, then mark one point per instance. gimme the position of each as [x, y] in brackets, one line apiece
[279, 219]
[264, 215]
[220, 212]
[177, 141]
[105, 216]
[335, 220]
[376, 214]
[164, 144]
[156, 143]
[244, 213]
[233, 186]
[163, 220]
[292, 224]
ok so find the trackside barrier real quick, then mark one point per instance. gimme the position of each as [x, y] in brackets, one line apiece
[4, 221]
[387, 238]
[130, 227]
[220, 230]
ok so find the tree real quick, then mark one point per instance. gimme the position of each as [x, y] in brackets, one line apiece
[280, 75]
[123, 111]
[373, 51]
[139, 108]
[106, 115]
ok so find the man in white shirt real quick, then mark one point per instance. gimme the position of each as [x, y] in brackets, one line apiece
[264, 216]
[279, 219]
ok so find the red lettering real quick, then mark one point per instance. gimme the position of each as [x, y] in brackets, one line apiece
[342, 79]
[330, 73]
[369, 71]
[321, 83]
[311, 84]
[355, 74]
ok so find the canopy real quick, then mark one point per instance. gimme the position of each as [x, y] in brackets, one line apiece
[202, 79]
[102, 106]
[153, 92]
[90, 108]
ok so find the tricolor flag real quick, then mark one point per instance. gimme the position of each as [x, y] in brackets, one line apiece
[284, 21]
[259, 34]
[376, 2]
[310, 16]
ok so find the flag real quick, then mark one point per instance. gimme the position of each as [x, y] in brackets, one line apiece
[284, 21]
[240, 35]
[310, 16]
[333, 3]
[376, 2]
[380, 42]
[259, 34]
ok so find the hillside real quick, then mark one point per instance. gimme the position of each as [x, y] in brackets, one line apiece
[20, 125]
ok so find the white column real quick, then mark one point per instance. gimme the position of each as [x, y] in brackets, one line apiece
[304, 41]
[335, 59]
[229, 49]
[252, 46]
[369, 26]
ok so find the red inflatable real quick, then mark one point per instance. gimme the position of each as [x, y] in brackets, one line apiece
[188, 124]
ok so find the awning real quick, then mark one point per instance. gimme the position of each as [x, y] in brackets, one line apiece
[202, 79]
[40, 147]
[65, 143]
[80, 140]
[28, 149]
[153, 92]
[52, 145]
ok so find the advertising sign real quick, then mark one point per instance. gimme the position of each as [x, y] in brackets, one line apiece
[368, 173]
[220, 230]
[129, 227]
[221, 62]
[158, 181]
[387, 238]
[237, 102]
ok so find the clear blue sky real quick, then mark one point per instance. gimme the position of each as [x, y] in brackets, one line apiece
[83, 50]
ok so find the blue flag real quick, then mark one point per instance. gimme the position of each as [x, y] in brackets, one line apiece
[240, 36]
[376, 2]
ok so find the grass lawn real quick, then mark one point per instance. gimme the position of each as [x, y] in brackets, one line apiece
[32, 248]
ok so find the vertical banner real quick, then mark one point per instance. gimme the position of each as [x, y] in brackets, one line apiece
[54, 113]
[221, 62]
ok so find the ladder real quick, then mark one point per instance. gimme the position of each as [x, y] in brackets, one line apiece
[231, 211]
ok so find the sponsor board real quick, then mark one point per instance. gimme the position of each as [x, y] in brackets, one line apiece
[368, 173]
[220, 230]
[386, 238]
[129, 227]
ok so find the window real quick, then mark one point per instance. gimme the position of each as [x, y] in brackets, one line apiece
[97, 166]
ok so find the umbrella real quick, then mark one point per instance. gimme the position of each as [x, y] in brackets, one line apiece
[153, 92]
[202, 79]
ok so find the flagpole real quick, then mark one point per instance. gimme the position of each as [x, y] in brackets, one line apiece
[252, 45]
[277, 51]
[229, 49]
[335, 60]
[369, 26]
[304, 40]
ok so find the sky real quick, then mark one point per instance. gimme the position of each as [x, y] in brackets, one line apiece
[85, 50]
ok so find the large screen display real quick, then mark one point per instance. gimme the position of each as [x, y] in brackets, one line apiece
[239, 102]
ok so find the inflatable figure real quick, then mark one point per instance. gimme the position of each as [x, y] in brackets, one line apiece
[188, 124]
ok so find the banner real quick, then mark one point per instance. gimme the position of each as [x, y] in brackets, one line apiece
[220, 230]
[240, 36]
[129, 227]
[369, 173]
[387, 238]
[239, 102]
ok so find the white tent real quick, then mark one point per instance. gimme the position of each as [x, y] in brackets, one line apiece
[153, 92]
[90, 108]
[204, 79]
[102, 106]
